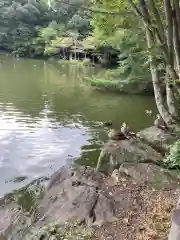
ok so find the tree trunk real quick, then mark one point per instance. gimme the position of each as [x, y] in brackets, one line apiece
[170, 99]
[174, 233]
[169, 22]
[158, 94]
[159, 22]
[156, 33]
[169, 90]
[176, 35]
[177, 12]
[154, 72]
[166, 40]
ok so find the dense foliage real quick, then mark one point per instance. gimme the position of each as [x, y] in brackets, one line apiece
[27, 25]
[173, 159]
[132, 74]
[158, 26]
[124, 33]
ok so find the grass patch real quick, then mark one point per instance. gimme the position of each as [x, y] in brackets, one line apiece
[131, 86]
[115, 85]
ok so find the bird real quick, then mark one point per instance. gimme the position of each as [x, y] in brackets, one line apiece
[160, 123]
[107, 124]
[115, 176]
[126, 131]
[116, 135]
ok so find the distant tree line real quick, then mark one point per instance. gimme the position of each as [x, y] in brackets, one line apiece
[27, 25]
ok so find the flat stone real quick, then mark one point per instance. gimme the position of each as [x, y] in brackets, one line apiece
[85, 198]
[76, 198]
[157, 138]
[5, 223]
[132, 150]
[144, 173]
[7, 218]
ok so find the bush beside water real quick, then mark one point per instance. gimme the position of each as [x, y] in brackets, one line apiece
[173, 159]
[129, 87]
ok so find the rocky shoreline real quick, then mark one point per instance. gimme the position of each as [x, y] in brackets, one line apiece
[134, 203]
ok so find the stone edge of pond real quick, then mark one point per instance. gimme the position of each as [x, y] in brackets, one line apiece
[77, 182]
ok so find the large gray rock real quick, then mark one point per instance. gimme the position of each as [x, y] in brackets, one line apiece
[132, 150]
[158, 139]
[71, 196]
[77, 198]
[5, 223]
[83, 196]
[144, 173]
[8, 217]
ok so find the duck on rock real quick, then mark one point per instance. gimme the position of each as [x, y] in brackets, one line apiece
[116, 135]
[126, 131]
[160, 123]
[107, 124]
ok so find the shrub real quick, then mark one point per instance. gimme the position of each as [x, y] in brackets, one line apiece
[172, 160]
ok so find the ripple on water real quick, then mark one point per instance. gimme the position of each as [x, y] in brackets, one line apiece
[37, 151]
[48, 112]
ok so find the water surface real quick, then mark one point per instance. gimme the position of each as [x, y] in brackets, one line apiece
[49, 116]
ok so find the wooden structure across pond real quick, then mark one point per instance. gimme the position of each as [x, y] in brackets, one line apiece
[71, 49]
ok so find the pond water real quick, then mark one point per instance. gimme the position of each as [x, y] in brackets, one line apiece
[49, 116]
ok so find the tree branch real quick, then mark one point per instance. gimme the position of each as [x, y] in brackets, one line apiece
[138, 13]
[176, 40]
[177, 11]
[146, 20]
[158, 19]
[169, 21]
[169, 91]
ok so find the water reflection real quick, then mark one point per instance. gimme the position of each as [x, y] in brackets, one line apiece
[49, 116]
[36, 148]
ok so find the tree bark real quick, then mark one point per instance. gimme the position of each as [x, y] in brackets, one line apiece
[155, 37]
[155, 31]
[169, 22]
[170, 99]
[157, 91]
[170, 58]
[174, 233]
[169, 90]
[176, 34]
[157, 16]
[177, 11]
[154, 72]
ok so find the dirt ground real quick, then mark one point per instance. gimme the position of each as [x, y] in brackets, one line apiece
[143, 213]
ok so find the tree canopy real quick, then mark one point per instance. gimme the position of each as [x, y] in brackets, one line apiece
[157, 23]
[25, 24]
